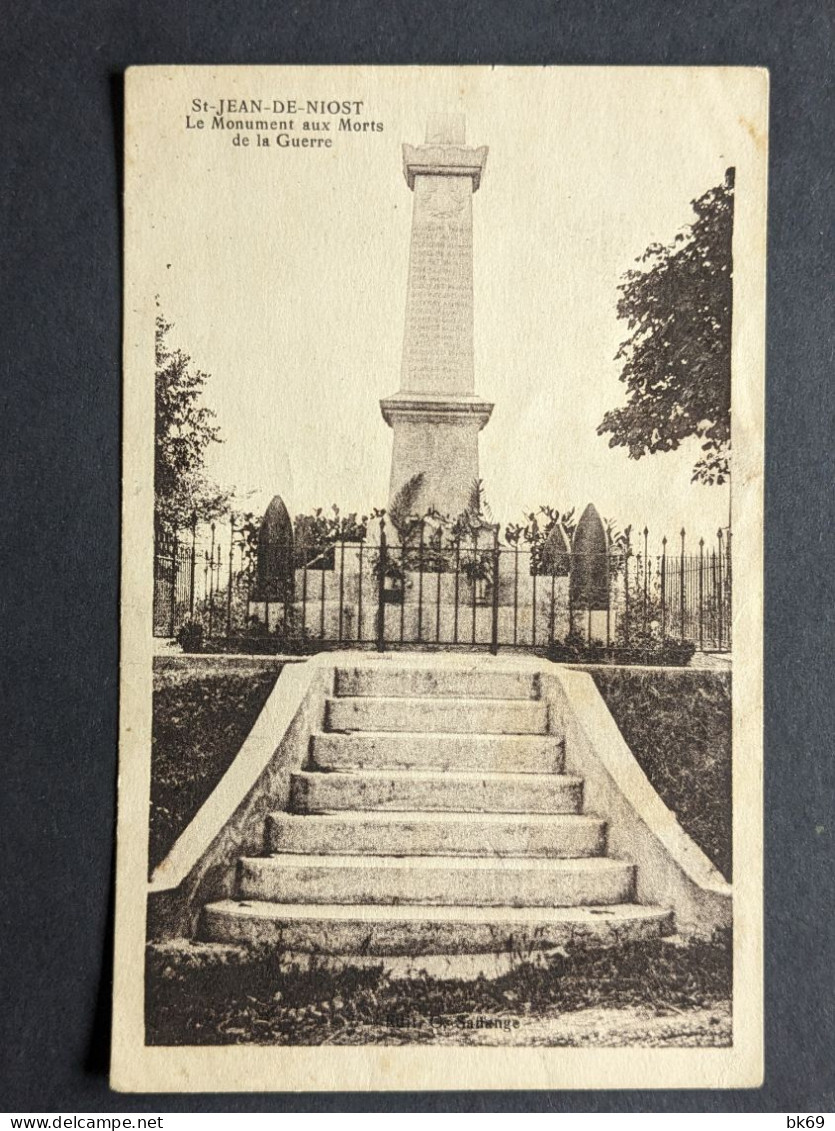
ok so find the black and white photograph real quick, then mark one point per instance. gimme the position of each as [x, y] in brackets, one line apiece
[441, 597]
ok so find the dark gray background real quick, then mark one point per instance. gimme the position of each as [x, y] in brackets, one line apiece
[60, 273]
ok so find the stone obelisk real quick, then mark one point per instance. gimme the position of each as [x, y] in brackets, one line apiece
[436, 416]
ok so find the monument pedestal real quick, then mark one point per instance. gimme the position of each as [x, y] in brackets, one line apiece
[436, 437]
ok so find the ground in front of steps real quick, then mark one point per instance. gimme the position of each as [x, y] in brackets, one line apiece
[705, 1027]
[647, 993]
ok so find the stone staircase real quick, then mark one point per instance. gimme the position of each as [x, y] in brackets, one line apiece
[434, 817]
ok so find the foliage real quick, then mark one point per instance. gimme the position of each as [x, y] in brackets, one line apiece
[286, 636]
[646, 650]
[183, 432]
[476, 516]
[677, 359]
[432, 542]
[314, 535]
[200, 719]
[190, 636]
[576, 649]
[641, 635]
[619, 540]
[537, 526]
[401, 511]
[248, 529]
[678, 726]
[198, 995]
[392, 571]
[478, 566]
[647, 646]
[427, 543]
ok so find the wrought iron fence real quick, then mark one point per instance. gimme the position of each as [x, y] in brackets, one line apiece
[433, 589]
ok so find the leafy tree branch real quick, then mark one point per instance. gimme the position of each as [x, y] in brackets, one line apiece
[677, 358]
[184, 431]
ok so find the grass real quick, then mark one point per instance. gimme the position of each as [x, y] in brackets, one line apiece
[678, 726]
[203, 995]
[200, 719]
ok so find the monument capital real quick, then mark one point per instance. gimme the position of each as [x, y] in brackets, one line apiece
[444, 161]
[435, 408]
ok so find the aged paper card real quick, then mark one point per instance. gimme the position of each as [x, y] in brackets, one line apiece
[441, 751]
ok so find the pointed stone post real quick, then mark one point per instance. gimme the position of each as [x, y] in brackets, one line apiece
[589, 581]
[275, 578]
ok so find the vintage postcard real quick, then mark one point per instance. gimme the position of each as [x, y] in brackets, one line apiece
[441, 759]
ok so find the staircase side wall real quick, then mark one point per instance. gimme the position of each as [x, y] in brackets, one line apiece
[672, 871]
[201, 866]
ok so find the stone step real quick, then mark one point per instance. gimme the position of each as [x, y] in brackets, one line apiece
[434, 834]
[418, 790]
[440, 880]
[470, 716]
[381, 930]
[393, 750]
[410, 682]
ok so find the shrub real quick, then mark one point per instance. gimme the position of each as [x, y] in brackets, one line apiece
[575, 648]
[648, 650]
[678, 726]
[256, 639]
[652, 649]
[190, 636]
[200, 720]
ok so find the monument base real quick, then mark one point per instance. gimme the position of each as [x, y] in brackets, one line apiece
[436, 437]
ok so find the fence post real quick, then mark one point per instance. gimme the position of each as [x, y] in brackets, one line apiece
[245, 567]
[421, 544]
[174, 553]
[322, 582]
[681, 585]
[535, 574]
[210, 589]
[404, 566]
[627, 554]
[438, 563]
[701, 595]
[494, 634]
[359, 591]
[646, 578]
[205, 583]
[729, 586]
[515, 591]
[304, 594]
[663, 586]
[720, 599]
[193, 566]
[474, 581]
[381, 589]
[341, 585]
[218, 569]
[608, 597]
[229, 586]
[457, 588]
[570, 601]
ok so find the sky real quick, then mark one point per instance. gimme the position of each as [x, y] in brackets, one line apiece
[284, 274]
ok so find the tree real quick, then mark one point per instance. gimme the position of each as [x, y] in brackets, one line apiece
[677, 359]
[184, 430]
